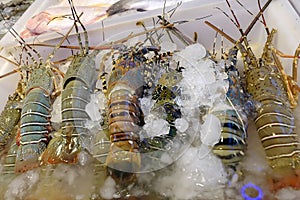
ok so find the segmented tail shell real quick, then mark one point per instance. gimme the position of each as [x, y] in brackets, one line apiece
[232, 144]
[125, 117]
[35, 120]
[78, 84]
[11, 115]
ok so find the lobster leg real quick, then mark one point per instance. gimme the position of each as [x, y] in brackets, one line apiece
[294, 79]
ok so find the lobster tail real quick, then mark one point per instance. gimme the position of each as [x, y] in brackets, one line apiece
[35, 122]
[75, 96]
[232, 145]
[277, 133]
[124, 118]
[10, 160]
[9, 118]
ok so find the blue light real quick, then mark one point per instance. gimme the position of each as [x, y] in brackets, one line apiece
[251, 185]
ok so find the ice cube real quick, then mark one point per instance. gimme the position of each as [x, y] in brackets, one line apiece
[288, 194]
[108, 189]
[181, 124]
[157, 127]
[22, 185]
[146, 104]
[193, 52]
[92, 108]
[56, 110]
[211, 130]
[192, 178]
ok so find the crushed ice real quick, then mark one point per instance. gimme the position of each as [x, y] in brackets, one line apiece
[21, 185]
[210, 130]
[108, 190]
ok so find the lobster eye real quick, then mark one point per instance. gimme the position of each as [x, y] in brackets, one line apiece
[144, 51]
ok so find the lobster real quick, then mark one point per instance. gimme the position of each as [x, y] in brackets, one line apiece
[11, 115]
[232, 145]
[124, 88]
[164, 95]
[276, 93]
[78, 83]
[40, 92]
[10, 159]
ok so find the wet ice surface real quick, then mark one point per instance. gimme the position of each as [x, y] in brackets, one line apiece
[195, 177]
[191, 173]
[20, 186]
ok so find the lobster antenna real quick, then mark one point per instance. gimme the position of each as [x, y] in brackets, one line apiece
[171, 27]
[247, 30]
[51, 55]
[236, 20]
[164, 9]
[263, 18]
[257, 17]
[62, 35]
[9, 73]
[76, 27]
[8, 60]
[103, 33]
[214, 54]
[228, 16]
[222, 45]
[22, 42]
[14, 57]
[148, 34]
[15, 62]
[295, 63]
[76, 18]
[246, 9]
[172, 11]
[155, 32]
[230, 39]
[25, 46]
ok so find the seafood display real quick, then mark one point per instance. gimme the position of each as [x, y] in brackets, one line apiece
[127, 100]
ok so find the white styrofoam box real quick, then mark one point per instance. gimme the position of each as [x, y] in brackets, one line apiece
[281, 15]
[296, 5]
